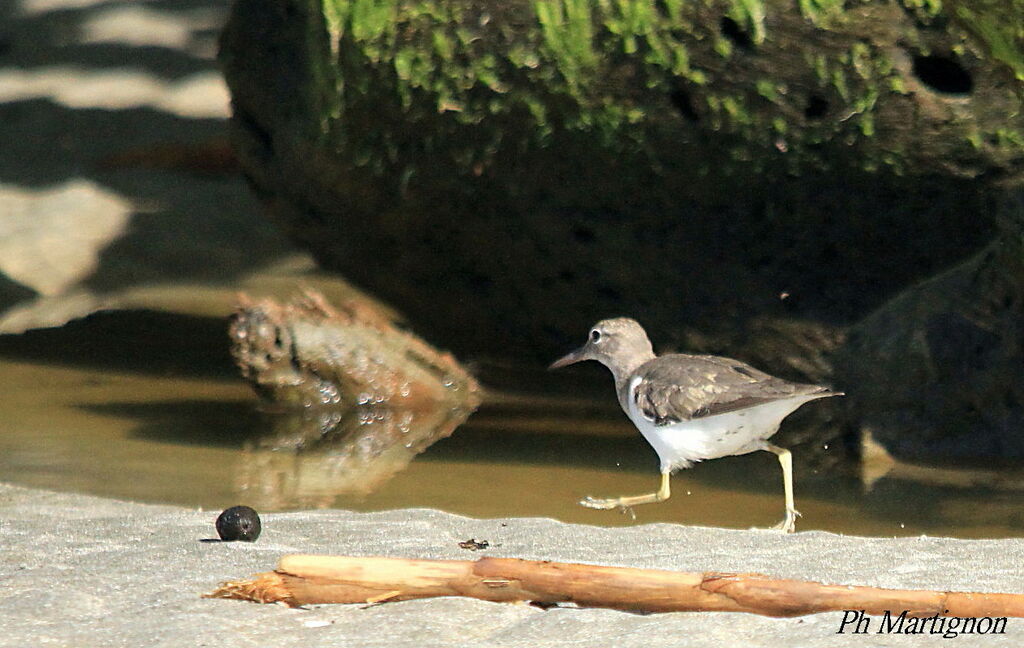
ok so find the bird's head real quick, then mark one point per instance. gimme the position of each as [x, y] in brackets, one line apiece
[619, 344]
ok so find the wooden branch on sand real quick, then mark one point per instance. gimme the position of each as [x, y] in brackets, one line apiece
[305, 580]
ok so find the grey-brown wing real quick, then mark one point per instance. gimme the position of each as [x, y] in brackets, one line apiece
[677, 388]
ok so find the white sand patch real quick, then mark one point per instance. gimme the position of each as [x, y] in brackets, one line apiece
[202, 95]
[140, 26]
[51, 239]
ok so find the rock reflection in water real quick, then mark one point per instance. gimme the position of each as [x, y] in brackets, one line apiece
[311, 457]
[353, 398]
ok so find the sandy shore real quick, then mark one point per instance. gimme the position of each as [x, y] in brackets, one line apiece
[84, 571]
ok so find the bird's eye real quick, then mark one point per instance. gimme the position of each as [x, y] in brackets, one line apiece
[595, 336]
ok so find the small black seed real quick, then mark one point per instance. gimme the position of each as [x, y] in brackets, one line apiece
[239, 523]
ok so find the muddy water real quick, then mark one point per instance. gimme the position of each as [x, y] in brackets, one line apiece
[99, 408]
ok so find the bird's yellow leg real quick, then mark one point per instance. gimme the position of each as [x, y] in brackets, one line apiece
[662, 494]
[788, 523]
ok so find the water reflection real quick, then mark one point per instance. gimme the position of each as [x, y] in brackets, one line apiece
[308, 458]
[97, 408]
[354, 397]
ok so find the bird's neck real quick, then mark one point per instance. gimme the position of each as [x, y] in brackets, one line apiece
[622, 367]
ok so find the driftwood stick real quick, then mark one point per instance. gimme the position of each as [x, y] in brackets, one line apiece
[304, 580]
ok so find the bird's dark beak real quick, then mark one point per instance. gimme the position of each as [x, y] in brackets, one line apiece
[578, 355]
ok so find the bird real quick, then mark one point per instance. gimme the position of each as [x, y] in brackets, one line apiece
[692, 408]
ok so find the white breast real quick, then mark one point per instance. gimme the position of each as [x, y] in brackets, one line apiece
[680, 444]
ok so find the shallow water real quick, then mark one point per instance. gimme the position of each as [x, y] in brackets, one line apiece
[99, 407]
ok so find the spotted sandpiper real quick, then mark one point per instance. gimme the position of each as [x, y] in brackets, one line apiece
[693, 407]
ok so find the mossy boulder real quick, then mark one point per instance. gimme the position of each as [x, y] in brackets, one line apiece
[742, 177]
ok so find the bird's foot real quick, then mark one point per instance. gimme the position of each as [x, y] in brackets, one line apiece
[601, 503]
[788, 524]
[606, 504]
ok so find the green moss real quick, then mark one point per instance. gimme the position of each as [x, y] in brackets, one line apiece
[1005, 137]
[863, 60]
[821, 12]
[567, 27]
[736, 110]
[867, 124]
[999, 26]
[630, 21]
[923, 9]
[766, 88]
[819, 63]
[432, 52]
[838, 78]
[723, 47]
[459, 82]
[562, 54]
[751, 14]
[443, 46]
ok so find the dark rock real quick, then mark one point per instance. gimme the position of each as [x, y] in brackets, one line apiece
[936, 372]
